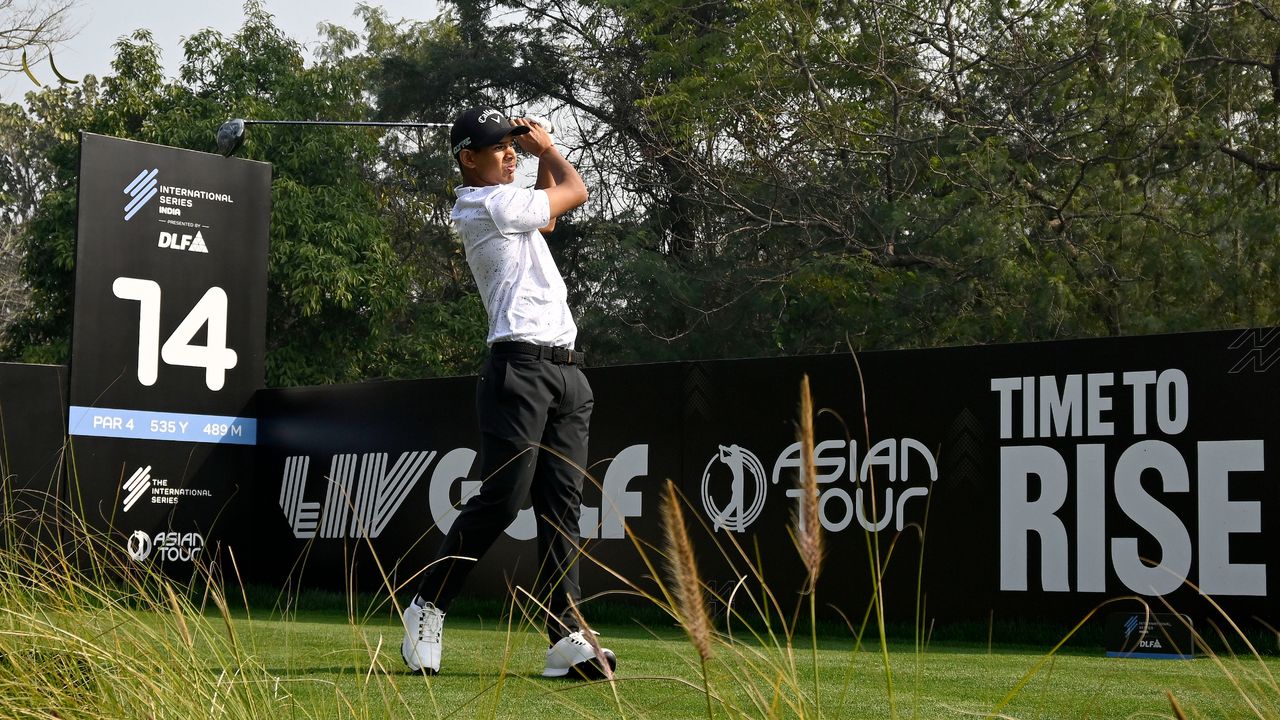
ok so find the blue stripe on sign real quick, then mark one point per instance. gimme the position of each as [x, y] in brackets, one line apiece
[152, 425]
[1149, 656]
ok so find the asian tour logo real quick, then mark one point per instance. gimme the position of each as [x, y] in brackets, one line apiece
[737, 512]
[139, 545]
[165, 546]
[734, 483]
[140, 191]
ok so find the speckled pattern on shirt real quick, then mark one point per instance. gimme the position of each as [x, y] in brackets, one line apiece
[523, 292]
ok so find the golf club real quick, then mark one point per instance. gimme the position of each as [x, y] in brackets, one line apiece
[230, 134]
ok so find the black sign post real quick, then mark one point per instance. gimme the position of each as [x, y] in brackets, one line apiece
[1153, 636]
[168, 340]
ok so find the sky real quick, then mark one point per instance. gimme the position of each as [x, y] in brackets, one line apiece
[99, 23]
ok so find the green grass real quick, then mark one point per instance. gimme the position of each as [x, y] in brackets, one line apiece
[121, 641]
[321, 665]
[85, 632]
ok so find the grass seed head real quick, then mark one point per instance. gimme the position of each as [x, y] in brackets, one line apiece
[809, 530]
[691, 607]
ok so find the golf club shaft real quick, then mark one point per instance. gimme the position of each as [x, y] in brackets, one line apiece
[350, 123]
[230, 135]
[545, 123]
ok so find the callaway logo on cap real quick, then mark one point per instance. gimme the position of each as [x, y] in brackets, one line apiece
[478, 127]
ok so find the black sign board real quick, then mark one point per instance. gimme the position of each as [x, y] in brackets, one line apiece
[1155, 636]
[33, 414]
[168, 338]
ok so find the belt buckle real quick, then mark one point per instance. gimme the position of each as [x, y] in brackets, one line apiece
[569, 358]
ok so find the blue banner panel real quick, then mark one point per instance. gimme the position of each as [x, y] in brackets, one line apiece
[154, 425]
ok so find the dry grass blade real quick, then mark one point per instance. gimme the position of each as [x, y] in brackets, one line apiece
[691, 606]
[590, 636]
[810, 525]
[178, 615]
[1177, 709]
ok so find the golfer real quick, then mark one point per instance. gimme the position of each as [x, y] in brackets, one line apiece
[532, 399]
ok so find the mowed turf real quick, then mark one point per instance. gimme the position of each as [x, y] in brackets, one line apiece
[323, 665]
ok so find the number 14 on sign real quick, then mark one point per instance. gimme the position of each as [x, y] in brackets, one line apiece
[215, 357]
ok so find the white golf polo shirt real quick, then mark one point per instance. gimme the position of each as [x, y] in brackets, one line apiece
[520, 285]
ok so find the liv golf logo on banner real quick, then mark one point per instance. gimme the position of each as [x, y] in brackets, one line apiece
[168, 338]
[362, 494]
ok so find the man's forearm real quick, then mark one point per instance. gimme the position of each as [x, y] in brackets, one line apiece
[545, 178]
[566, 188]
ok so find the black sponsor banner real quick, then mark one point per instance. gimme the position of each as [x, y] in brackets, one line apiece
[356, 483]
[32, 440]
[1027, 481]
[168, 338]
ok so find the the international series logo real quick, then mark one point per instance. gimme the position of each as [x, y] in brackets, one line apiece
[135, 487]
[161, 491]
[1130, 625]
[141, 190]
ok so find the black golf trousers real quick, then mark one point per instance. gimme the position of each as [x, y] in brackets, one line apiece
[534, 420]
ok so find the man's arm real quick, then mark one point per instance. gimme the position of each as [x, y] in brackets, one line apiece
[556, 176]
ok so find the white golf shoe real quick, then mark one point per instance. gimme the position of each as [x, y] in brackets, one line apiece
[423, 629]
[572, 654]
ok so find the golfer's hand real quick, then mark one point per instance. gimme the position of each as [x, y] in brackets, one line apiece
[536, 141]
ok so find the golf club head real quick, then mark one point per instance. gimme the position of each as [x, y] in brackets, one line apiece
[230, 137]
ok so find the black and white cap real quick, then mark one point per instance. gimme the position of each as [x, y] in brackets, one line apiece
[477, 127]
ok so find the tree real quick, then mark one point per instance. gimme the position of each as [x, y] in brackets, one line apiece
[31, 25]
[334, 282]
[24, 173]
[780, 176]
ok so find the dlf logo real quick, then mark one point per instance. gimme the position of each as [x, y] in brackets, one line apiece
[140, 191]
[190, 243]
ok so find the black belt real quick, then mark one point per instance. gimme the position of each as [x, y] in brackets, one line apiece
[558, 355]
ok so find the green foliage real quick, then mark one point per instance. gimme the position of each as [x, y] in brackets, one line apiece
[767, 176]
[778, 177]
[336, 287]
